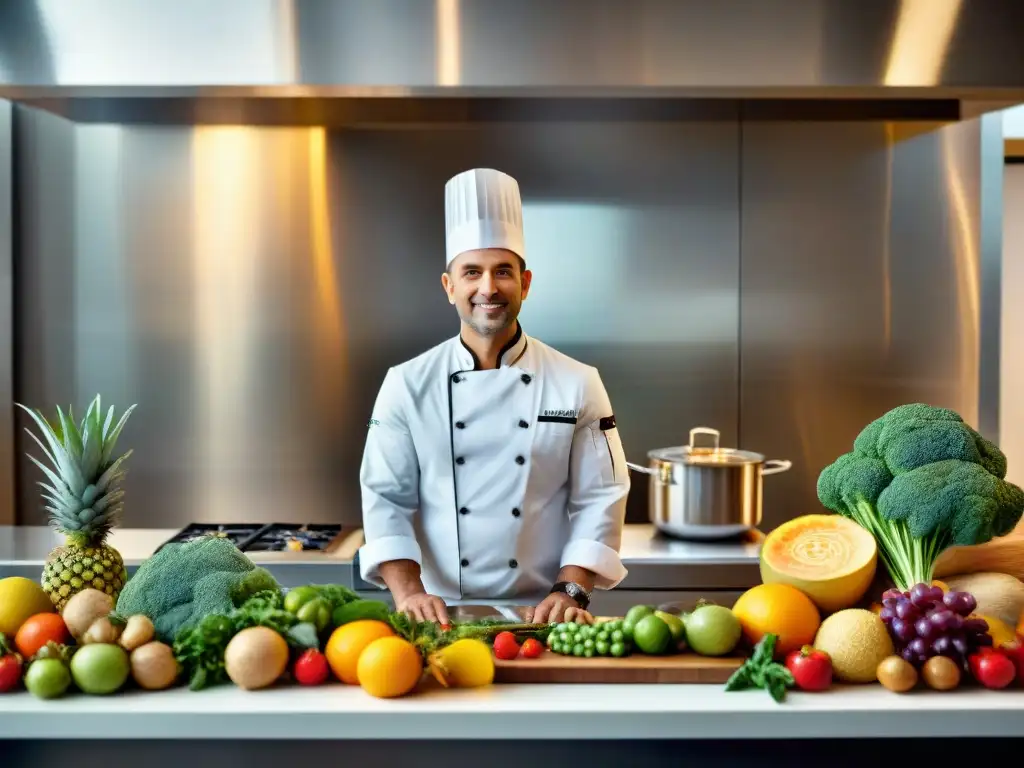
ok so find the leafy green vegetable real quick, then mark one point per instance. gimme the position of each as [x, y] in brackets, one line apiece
[200, 649]
[182, 583]
[429, 636]
[920, 480]
[762, 671]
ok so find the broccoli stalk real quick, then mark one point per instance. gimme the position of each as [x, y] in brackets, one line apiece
[920, 480]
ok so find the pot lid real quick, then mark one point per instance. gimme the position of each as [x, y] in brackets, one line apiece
[705, 455]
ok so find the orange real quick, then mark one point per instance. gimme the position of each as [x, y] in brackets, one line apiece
[389, 667]
[778, 609]
[39, 630]
[348, 641]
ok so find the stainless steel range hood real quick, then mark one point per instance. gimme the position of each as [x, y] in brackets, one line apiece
[317, 62]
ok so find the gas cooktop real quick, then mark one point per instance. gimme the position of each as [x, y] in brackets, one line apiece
[266, 537]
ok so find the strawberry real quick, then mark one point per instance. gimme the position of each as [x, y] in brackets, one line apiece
[532, 648]
[505, 646]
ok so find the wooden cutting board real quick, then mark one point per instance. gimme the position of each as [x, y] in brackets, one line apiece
[555, 668]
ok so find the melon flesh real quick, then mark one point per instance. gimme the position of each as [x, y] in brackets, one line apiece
[829, 558]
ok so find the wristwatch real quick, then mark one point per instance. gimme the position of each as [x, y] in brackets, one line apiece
[575, 591]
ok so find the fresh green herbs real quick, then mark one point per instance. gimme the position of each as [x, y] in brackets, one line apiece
[762, 671]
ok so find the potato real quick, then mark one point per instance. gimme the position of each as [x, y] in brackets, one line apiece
[84, 608]
[103, 630]
[154, 667]
[137, 632]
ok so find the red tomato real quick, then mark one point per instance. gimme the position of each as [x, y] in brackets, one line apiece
[811, 668]
[532, 648]
[311, 668]
[39, 630]
[506, 646]
[992, 669]
[10, 672]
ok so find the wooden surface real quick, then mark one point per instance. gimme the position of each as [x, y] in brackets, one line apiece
[554, 668]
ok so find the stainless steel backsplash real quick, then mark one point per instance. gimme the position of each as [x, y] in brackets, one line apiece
[248, 287]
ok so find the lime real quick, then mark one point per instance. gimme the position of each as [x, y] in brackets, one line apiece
[633, 616]
[675, 626]
[47, 678]
[652, 635]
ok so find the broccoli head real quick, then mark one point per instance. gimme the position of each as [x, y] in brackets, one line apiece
[182, 583]
[919, 479]
[851, 480]
[913, 435]
[958, 498]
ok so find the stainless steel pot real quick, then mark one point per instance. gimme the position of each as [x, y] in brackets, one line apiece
[706, 492]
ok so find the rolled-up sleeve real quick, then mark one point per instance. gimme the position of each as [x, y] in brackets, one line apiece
[599, 485]
[389, 482]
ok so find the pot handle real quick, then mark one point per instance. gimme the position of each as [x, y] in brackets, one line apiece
[663, 472]
[638, 468]
[774, 466]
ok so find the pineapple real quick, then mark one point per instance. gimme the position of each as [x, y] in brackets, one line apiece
[83, 500]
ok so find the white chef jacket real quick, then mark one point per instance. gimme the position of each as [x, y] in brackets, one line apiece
[492, 480]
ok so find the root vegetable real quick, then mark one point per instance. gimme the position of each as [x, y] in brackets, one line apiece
[154, 666]
[896, 674]
[137, 632]
[941, 673]
[255, 658]
[84, 608]
[103, 630]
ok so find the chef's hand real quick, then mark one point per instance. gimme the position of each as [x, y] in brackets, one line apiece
[559, 607]
[424, 607]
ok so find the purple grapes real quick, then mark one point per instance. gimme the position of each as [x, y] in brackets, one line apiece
[960, 603]
[921, 595]
[925, 622]
[907, 610]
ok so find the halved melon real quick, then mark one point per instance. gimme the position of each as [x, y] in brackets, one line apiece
[829, 558]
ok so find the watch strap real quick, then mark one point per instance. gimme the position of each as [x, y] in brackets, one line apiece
[575, 591]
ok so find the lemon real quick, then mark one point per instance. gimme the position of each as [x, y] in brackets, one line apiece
[466, 663]
[20, 598]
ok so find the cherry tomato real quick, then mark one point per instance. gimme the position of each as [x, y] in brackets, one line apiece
[10, 672]
[311, 668]
[532, 648]
[506, 647]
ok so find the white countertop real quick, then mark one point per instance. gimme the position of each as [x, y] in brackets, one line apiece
[515, 712]
[641, 544]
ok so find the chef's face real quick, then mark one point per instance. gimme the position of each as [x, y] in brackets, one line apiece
[487, 288]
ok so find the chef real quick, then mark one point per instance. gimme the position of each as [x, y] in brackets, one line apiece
[493, 468]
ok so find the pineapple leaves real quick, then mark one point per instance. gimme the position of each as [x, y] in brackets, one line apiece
[78, 500]
[92, 442]
[110, 440]
[63, 463]
[72, 438]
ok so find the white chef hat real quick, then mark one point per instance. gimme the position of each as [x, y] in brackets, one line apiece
[482, 209]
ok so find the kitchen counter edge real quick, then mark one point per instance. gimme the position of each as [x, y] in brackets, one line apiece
[516, 712]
